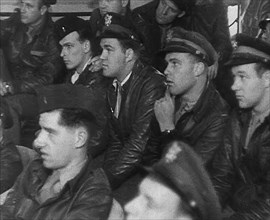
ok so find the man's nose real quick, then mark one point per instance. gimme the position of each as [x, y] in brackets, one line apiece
[165, 10]
[39, 140]
[103, 55]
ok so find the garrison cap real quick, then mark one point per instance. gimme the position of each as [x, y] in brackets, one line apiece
[116, 26]
[249, 50]
[263, 23]
[68, 24]
[69, 96]
[184, 172]
[183, 41]
[184, 5]
[5, 115]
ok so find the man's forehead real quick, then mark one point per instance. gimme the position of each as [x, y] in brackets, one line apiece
[170, 3]
[70, 38]
[245, 68]
[109, 42]
[31, 2]
[177, 55]
[49, 117]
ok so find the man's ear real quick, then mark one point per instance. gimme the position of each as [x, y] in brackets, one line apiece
[198, 68]
[129, 54]
[43, 9]
[86, 46]
[266, 77]
[124, 3]
[181, 14]
[81, 137]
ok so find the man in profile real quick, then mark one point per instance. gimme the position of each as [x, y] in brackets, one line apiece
[62, 183]
[78, 44]
[241, 167]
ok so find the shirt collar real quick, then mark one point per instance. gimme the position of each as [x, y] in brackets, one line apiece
[71, 173]
[115, 82]
[261, 117]
[85, 65]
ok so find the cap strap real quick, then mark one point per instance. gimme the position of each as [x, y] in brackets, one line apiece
[252, 51]
[191, 44]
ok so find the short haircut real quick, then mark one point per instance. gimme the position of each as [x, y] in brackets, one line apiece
[136, 46]
[260, 68]
[74, 118]
[87, 34]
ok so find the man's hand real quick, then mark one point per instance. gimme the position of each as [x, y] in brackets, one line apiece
[164, 111]
[212, 70]
[96, 64]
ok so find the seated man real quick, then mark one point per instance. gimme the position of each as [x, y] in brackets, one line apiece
[131, 98]
[62, 184]
[120, 7]
[10, 161]
[191, 109]
[78, 48]
[242, 165]
[155, 18]
[177, 187]
[30, 49]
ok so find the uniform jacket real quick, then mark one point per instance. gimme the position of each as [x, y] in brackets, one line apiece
[242, 177]
[33, 63]
[98, 84]
[129, 133]
[210, 20]
[87, 196]
[10, 165]
[202, 128]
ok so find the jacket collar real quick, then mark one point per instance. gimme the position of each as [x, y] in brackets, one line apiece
[39, 175]
[204, 102]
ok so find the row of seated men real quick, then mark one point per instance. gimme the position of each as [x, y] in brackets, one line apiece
[124, 115]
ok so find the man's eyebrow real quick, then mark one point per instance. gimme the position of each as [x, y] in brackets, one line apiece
[50, 130]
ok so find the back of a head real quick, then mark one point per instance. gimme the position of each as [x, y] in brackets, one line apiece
[183, 170]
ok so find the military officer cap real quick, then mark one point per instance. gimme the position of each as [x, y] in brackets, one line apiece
[183, 171]
[183, 41]
[116, 26]
[68, 24]
[249, 50]
[263, 23]
[5, 115]
[68, 96]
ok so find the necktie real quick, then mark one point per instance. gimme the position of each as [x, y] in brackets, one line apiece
[118, 100]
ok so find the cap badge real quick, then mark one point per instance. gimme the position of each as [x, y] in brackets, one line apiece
[63, 29]
[108, 20]
[172, 153]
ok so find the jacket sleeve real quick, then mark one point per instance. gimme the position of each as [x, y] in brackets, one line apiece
[10, 166]
[93, 202]
[211, 138]
[122, 158]
[223, 173]
[46, 73]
